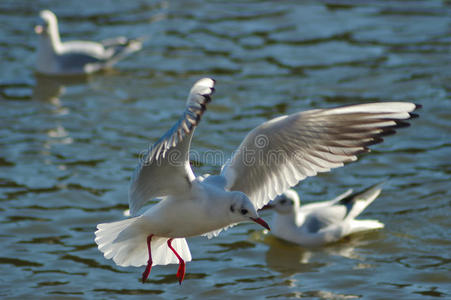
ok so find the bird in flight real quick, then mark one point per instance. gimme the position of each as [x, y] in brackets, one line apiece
[272, 157]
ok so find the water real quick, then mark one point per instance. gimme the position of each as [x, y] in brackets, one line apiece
[68, 147]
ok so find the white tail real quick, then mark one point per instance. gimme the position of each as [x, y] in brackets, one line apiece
[364, 225]
[126, 243]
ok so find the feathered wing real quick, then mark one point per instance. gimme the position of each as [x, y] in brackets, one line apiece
[318, 205]
[341, 196]
[215, 233]
[321, 218]
[344, 210]
[357, 202]
[165, 169]
[279, 153]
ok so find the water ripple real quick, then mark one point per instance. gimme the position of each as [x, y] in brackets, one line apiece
[69, 146]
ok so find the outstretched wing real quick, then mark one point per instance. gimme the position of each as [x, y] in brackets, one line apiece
[279, 153]
[165, 169]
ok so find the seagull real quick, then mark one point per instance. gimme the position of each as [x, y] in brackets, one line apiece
[76, 57]
[272, 157]
[320, 223]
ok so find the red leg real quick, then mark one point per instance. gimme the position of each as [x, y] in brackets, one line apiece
[149, 262]
[181, 271]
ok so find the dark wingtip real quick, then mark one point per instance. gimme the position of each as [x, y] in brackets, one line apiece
[207, 97]
[413, 115]
[401, 124]
[378, 140]
[388, 132]
[365, 149]
[418, 106]
[375, 140]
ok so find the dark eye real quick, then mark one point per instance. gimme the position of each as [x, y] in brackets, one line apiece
[283, 201]
[232, 208]
[243, 211]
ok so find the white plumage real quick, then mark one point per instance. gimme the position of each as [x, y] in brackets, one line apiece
[272, 157]
[319, 223]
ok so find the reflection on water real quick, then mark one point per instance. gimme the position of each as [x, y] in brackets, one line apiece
[51, 88]
[290, 259]
[48, 89]
[68, 146]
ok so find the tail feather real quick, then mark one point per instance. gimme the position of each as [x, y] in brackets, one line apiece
[107, 232]
[126, 243]
[364, 225]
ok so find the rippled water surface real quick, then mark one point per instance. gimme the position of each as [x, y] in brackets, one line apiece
[68, 147]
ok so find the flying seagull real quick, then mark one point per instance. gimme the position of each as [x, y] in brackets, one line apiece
[272, 157]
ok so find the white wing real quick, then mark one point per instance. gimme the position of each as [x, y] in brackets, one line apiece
[279, 153]
[341, 196]
[344, 209]
[318, 205]
[215, 233]
[165, 168]
[321, 218]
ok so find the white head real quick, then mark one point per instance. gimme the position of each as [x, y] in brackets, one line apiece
[287, 202]
[47, 25]
[241, 209]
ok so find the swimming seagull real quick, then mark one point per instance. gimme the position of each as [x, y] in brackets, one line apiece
[76, 57]
[319, 223]
[272, 157]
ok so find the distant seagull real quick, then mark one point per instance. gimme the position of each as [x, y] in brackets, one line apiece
[272, 157]
[76, 57]
[319, 223]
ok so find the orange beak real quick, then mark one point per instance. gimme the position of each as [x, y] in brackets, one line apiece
[261, 222]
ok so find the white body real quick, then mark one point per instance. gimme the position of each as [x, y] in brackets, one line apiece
[205, 210]
[317, 224]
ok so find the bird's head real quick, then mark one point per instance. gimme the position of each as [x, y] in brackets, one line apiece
[241, 209]
[285, 203]
[46, 23]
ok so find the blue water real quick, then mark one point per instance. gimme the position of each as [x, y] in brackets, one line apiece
[68, 147]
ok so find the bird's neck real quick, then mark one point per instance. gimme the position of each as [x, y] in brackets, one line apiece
[53, 38]
[215, 202]
[291, 219]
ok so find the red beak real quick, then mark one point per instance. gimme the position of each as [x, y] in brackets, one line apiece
[38, 29]
[261, 222]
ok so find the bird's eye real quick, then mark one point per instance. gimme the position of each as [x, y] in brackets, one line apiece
[232, 208]
[283, 201]
[243, 211]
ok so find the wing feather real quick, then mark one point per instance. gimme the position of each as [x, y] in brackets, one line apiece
[165, 169]
[279, 153]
